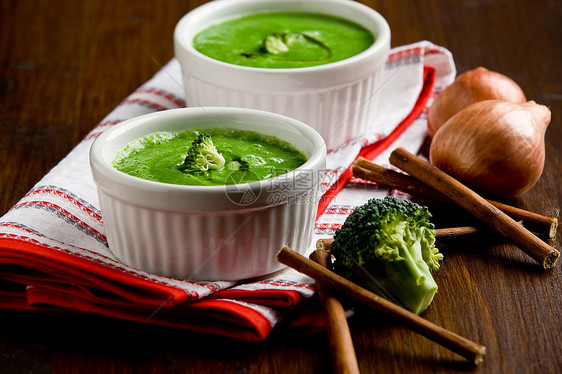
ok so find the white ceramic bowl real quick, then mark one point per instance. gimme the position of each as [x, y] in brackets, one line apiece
[338, 99]
[210, 233]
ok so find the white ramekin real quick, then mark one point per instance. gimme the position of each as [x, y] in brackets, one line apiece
[208, 233]
[339, 99]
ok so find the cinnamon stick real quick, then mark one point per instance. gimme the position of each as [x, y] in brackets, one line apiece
[449, 233]
[476, 205]
[365, 169]
[453, 233]
[341, 344]
[448, 339]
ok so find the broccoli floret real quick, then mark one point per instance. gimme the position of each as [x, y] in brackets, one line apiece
[202, 155]
[388, 246]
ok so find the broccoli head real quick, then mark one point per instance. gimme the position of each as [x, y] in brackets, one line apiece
[202, 155]
[388, 246]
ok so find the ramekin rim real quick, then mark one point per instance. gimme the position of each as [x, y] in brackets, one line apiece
[97, 161]
[382, 42]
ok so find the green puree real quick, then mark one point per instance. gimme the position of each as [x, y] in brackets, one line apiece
[249, 156]
[283, 40]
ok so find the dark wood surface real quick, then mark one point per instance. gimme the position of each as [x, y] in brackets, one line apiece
[65, 64]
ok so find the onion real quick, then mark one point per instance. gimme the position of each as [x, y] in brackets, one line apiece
[470, 87]
[494, 146]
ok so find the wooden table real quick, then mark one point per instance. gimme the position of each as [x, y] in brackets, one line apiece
[65, 64]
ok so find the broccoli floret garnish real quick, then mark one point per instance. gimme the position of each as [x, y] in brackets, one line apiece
[202, 155]
[388, 246]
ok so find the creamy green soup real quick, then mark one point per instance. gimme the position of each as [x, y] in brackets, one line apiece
[283, 40]
[248, 157]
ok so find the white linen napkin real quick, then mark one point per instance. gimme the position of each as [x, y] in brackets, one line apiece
[53, 250]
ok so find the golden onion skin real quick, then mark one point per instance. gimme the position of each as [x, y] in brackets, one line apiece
[495, 147]
[468, 88]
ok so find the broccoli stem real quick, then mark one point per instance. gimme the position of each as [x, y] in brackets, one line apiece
[388, 247]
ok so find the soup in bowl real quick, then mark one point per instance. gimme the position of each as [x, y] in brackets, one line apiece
[319, 61]
[226, 224]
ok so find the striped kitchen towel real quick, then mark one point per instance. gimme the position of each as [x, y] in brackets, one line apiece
[54, 255]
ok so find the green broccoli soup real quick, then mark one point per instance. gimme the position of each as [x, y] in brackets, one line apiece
[208, 157]
[283, 40]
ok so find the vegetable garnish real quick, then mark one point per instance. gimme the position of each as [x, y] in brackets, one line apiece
[281, 46]
[388, 246]
[202, 155]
